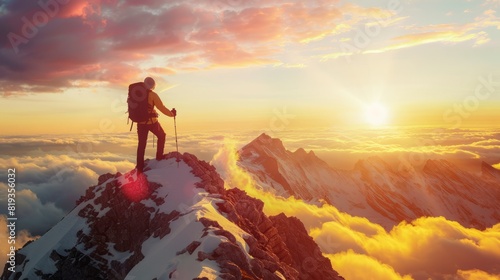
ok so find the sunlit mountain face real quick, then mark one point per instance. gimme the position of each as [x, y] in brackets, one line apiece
[361, 220]
[374, 189]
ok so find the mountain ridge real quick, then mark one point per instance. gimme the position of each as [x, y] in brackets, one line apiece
[171, 223]
[374, 189]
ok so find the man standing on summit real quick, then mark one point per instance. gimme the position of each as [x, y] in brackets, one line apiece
[151, 124]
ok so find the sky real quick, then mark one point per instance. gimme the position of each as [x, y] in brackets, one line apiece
[65, 64]
[406, 80]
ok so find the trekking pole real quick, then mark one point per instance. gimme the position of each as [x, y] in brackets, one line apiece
[176, 143]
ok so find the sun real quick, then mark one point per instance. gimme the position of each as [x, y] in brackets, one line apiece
[376, 114]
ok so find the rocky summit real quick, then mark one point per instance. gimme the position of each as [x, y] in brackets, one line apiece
[174, 221]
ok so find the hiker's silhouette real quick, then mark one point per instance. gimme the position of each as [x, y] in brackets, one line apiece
[151, 124]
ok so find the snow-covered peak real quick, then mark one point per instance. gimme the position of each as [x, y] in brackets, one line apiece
[269, 149]
[300, 152]
[376, 190]
[374, 163]
[265, 143]
[310, 156]
[174, 221]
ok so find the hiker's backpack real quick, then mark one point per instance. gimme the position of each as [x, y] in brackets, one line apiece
[137, 102]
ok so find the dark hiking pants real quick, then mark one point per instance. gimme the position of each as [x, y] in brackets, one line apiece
[142, 133]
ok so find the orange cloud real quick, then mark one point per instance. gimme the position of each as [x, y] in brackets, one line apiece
[310, 24]
[255, 24]
[428, 246]
[476, 275]
[431, 37]
[446, 33]
[370, 12]
[161, 70]
[119, 74]
[475, 32]
[229, 54]
[357, 266]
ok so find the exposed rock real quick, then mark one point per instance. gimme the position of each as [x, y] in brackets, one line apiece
[306, 255]
[117, 222]
[190, 248]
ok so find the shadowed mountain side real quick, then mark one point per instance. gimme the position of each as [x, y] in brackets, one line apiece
[488, 172]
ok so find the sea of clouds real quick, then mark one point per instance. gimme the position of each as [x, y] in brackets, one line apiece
[53, 171]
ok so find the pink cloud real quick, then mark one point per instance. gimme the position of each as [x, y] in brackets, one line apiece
[255, 24]
[109, 41]
[230, 54]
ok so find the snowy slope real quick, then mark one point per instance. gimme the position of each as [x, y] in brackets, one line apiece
[174, 222]
[161, 259]
[373, 189]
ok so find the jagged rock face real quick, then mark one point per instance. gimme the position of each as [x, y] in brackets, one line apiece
[305, 253]
[266, 240]
[374, 189]
[130, 225]
[273, 246]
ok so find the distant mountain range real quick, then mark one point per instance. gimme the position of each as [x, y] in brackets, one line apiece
[375, 190]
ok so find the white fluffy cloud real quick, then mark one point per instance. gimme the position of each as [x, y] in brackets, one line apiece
[49, 185]
[22, 237]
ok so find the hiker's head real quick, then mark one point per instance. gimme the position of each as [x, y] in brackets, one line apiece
[150, 83]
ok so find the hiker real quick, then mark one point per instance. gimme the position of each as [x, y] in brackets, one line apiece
[151, 124]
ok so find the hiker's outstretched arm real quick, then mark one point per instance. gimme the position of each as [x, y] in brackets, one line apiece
[158, 104]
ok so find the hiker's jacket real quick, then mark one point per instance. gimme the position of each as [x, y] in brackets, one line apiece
[155, 101]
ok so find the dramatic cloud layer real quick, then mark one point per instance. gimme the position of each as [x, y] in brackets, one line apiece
[22, 238]
[53, 171]
[50, 45]
[48, 186]
[430, 247]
